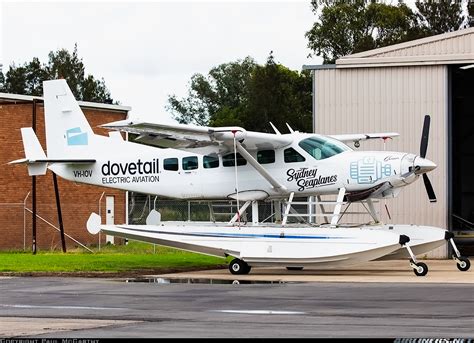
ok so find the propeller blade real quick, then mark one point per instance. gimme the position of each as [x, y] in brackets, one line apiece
[429, 188]
[424, 136]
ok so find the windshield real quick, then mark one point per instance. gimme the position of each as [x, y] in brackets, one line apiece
[323, 147]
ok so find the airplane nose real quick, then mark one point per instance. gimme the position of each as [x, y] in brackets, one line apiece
[423, 165]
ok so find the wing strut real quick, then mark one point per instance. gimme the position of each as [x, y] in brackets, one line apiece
[245, 154]
[337, 209]
[239, 212]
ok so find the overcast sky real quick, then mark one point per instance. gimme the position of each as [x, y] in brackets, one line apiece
[146, 51]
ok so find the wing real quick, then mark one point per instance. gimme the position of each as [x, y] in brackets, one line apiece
[187, 137]
[364, 136]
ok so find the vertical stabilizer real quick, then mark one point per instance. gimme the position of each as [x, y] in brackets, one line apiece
[68, 134]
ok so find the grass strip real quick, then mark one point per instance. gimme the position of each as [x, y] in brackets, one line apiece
[131, 257]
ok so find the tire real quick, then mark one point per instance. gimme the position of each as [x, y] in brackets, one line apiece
[421, 269]
[464, 265]
[239, 267]
[294, 268]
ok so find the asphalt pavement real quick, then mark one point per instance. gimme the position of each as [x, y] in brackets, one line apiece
[268, 303]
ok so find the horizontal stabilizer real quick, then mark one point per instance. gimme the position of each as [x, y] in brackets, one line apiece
[33, 152]
[35, 157]
[31, 144]
[55, 160]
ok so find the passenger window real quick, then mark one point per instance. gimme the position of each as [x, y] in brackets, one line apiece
[190, 163]
[170, 164]
[210, 161]
[228, 160]
[266, 156]
[291, 156]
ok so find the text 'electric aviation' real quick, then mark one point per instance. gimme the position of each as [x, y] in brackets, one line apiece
[230, 162]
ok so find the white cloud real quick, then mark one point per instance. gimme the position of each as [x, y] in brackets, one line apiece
[148, 50]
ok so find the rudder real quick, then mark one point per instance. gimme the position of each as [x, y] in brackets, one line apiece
[67, 131]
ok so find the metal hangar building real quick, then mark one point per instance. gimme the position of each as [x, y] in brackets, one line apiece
[391, 89]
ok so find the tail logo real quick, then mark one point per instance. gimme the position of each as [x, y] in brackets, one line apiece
[76, 137]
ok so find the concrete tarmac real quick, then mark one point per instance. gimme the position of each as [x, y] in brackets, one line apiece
[440, 271]
[366, 302]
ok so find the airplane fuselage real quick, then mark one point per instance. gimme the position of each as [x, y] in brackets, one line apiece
[179, 174]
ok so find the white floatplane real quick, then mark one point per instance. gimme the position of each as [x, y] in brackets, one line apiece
[233, 163]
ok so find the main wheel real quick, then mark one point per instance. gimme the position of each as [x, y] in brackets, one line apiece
[238, 267]
[421, 269]
[294, 268]
[464, 264]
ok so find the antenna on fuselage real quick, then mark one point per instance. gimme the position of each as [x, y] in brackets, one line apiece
[289, 128]
[275, 129]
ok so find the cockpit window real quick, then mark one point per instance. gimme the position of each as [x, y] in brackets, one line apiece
[292, 156]
[323, 147]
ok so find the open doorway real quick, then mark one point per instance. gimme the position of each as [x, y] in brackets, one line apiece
[461, 192]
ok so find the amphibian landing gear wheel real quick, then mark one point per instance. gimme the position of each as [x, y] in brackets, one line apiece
[419, 268]
[294, 268]
[463, 263]
[239, 267]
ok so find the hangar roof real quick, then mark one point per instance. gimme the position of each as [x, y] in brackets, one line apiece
[7, 98]
[448, 48]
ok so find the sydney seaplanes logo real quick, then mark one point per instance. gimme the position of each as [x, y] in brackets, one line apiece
[307, 178]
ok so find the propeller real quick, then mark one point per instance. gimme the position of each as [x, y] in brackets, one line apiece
[423, 148]
[424, 136]
[429, 188]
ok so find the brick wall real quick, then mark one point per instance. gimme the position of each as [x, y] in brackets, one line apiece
[77, 200]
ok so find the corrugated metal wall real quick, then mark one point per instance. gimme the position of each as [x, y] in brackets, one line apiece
[451, 46]
[394, 99]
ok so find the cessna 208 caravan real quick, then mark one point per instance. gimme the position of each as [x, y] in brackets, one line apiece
[233, 163]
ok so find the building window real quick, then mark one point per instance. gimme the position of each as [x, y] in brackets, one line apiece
[211, 161]
[292, 156]
[190, 163]
[266, 156]
[228, 160]
[170, 164]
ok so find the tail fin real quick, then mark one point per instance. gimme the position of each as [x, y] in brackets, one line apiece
[67, 131]
[35, 156]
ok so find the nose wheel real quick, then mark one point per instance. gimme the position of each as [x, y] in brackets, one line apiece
[462, 262]
[239, 267]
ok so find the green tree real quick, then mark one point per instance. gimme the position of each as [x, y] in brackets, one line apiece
[35, 74]
[278, 95]
[15, 80]
[28, 78]
[341, 30]
[223, 89]
[246, 94]
[441, 16]
[345, 28]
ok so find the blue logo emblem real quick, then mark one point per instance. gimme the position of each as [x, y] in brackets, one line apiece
[76, 137]
[368, 170]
